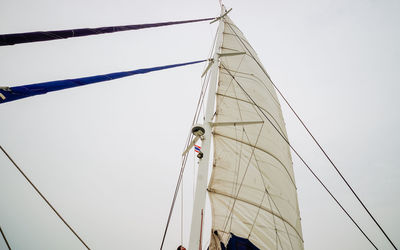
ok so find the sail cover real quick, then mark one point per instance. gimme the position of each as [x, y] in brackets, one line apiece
[252, 187]
[40, 36]
[8, 94]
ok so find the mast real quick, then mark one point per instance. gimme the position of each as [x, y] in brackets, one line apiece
[202, 174]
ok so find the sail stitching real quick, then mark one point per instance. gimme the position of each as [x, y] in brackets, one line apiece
[268, 192]
[242, 41]
[261, 119]
[239, 160]
[253, 147]
[255, 205]
[262, 177]
[244, 175]
[259, 206]
[326, 155]
[230, 26]
[262, 150]
[241, 145]
[269, 195]
[312, 172]
[276, 229]
[244, 48]
[262, 200]
[226, 220]
[243, 132]
[231, 81]
[254, 105]
[257, 79]
[243, 129]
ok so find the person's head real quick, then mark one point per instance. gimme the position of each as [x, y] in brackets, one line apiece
[181, 248]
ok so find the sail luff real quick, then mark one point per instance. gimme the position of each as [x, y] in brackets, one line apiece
[252, 187]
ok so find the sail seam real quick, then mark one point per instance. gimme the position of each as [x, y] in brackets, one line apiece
[231, 24]
[225, 232]
[269, 196]
[244, 132]
[255, 205]
[232, 97]
[309, 168]
[273, 201]
[323, 151]
[263, 150]
[257, 80]
[244, 175]
[241, 146]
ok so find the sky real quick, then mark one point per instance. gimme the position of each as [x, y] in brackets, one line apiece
[107, 156]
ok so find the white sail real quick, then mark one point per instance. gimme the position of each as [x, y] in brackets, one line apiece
[252, 187]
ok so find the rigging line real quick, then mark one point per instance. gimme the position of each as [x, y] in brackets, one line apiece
[270, 198]
[44, 198]
[184, 160]
[206, 79]
[173, 200]
[241, 183]
[276, 206]
[235, 185]
[270, 205]
[5, 239]
[265, 151]
[194, 175]
[242, 100]
[255, 217]
[182, 214]
[318, 144]
[188, 140]
[277, 237]
[200, 105]
[269, 195]
[304, 162]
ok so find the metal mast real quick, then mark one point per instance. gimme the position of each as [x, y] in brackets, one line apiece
[201, 184]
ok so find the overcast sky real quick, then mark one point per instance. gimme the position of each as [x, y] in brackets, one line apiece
[108, 155]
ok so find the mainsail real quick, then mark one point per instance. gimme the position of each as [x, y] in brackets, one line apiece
[252, 187]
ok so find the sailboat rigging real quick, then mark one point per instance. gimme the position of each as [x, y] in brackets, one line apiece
[252, 187]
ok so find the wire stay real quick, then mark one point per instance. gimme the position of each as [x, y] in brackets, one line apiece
[44, 198]
[5, 239]
[299, 156]
[317, 143]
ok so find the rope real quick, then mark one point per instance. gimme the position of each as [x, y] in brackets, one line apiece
[318, 144]
[185, 157]
[44, 198]
[301, 158]
[188, 140]
[5, 239]
[182, 214]
[173, 200]
[334, 166]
